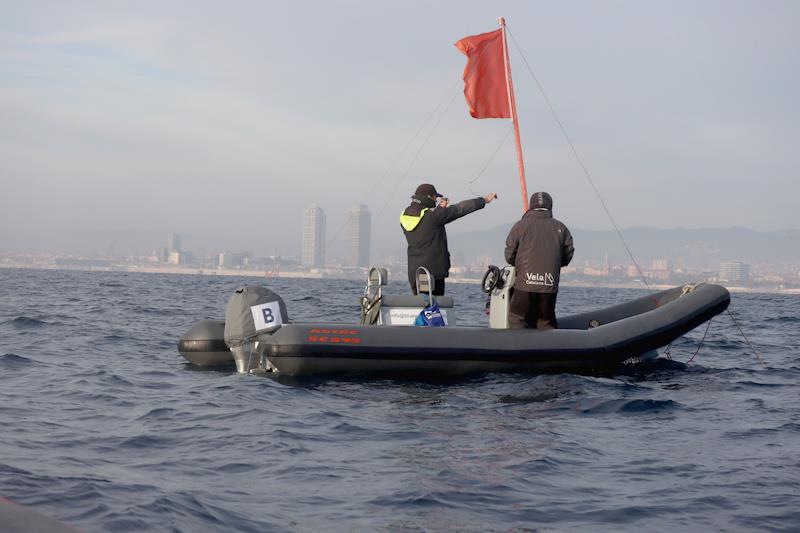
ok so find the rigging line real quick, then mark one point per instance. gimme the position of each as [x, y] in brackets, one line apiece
[414, 138]
[580, 161]
[430, 134]
[761, 361]
[416, 156]
[491, 158]
[449, 94]
[708, 325]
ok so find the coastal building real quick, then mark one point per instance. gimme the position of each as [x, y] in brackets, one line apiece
[313, 251]
[171, 253]
[358, 232]
[734, 271]
[174, 242]
[661, 265]
[233, 259]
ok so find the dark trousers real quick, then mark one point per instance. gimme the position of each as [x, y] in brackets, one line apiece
[438, 286]
[532, 310]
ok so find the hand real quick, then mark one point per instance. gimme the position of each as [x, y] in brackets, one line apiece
[489, 197]
[444, 202]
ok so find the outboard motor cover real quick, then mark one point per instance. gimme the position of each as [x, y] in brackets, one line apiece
[251, 310]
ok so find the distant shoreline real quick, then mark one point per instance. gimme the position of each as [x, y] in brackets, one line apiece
[147, 269]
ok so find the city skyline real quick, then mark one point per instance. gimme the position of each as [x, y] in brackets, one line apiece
[647, 244]
[660, 272]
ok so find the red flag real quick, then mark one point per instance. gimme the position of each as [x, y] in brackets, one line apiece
[484, 76]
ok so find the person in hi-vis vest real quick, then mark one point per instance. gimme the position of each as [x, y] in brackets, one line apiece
[423, 225]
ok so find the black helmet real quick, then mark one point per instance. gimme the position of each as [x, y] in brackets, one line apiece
[541, 200]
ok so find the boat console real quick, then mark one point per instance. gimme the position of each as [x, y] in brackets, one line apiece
[498, 284]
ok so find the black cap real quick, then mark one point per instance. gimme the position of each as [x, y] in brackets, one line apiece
[541, 200]
[426, 189]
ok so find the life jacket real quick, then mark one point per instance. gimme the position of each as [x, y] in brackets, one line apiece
[410, 222]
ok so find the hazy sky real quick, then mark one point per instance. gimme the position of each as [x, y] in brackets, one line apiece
[230, 118]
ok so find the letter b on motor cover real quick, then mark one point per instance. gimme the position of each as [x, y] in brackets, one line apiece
[266, 315]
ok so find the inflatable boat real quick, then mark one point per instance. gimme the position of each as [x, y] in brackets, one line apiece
[258, 337]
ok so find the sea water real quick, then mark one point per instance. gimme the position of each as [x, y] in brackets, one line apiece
[105, 427]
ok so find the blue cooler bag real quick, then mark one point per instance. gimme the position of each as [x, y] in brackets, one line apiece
[430, 316]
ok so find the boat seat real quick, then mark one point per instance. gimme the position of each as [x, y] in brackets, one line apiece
[402, 310]
[372, 299]
[410, 300]
[382, 309]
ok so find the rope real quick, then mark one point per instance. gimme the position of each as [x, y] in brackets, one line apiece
[425, 142]
[758, 357]
[416, 156]
[580, 161]
[689, 287]
[411, 141]
[491, 158]
[449, 94]
[708, 325]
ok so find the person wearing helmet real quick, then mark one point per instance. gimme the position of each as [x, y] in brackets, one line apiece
[423, 225]
[538, 246]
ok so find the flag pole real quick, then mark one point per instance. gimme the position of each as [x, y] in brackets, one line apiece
[512, 105]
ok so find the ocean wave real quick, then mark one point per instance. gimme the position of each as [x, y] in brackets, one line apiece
[11, 360]
[146, 442]
[637, 406]
[784, 319]
[650, 368]
[8, 469]
[111, 284]
[160, 413]
[26, 322]
[739, 385]
[789, 427]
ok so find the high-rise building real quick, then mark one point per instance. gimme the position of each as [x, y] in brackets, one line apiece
[359, 222]
[313, 252]
[233, 259]
[734, 271]
[174, 242]
[661, 265]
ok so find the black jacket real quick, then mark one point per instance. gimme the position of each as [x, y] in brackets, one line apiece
[538, 246]
[427, 242]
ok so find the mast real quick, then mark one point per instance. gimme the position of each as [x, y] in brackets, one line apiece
[512, 106]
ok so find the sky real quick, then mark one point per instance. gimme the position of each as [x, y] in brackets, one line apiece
[231, 118]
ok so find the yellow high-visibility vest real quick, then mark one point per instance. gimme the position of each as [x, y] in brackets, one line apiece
[409, 222]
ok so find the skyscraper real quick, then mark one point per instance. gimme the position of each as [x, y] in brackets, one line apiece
[313, 253]
[359, 222]
[174, 242]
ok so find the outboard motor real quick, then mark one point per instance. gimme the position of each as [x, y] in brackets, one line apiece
[251, 311]
[498, 284]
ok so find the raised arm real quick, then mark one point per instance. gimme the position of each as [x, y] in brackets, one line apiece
[445, 215]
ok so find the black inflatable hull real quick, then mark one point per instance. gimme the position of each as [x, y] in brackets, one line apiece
[583, 343]
[204, 344]
[622, 332]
